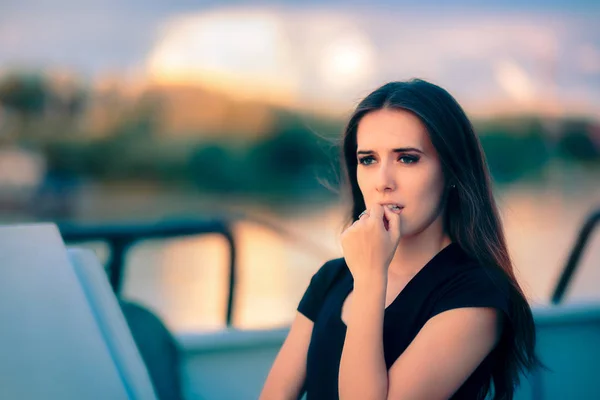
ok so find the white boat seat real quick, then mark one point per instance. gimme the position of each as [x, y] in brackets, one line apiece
[112, 323]
[63, 335]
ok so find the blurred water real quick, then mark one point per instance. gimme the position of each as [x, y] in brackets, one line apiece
[185, 281]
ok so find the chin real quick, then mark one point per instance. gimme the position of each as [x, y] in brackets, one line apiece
[412, 228]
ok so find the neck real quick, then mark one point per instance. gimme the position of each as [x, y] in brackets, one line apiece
[414, 252]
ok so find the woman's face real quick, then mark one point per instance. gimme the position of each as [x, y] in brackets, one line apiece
[398, 165]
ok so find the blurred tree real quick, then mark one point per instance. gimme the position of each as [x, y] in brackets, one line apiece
[25, 94]
[576, 142]
[43, 107]
[214, 168]
[288, 158]
[514, 149]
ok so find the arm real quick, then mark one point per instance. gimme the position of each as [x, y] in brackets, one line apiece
[446, 351]
[286, 378]
[368, 248]
[363, 373]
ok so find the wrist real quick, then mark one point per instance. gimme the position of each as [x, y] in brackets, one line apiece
[371, 283]
[369, 296]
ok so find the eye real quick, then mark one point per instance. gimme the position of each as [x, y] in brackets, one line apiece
[408, 159]
[368, 160]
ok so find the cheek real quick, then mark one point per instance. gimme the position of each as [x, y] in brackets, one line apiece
[363, 183]
[436, 187]
[425, 195]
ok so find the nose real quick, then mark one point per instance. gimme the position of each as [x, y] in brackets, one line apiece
[386, 181]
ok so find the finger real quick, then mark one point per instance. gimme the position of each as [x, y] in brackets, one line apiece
[361, 218]
[377, 212]
[377, 216]
[393, 222]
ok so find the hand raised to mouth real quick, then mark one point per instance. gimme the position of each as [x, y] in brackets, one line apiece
[369, 243]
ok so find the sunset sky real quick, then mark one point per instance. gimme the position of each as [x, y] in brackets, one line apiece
[543, 57]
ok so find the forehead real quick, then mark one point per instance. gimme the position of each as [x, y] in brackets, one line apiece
[383, 129]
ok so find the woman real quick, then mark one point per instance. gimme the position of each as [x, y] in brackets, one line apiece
[424, 304]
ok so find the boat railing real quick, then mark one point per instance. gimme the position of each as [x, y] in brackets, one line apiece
[121, 237]
[574, 258]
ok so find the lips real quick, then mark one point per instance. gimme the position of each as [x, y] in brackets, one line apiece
[395, 208]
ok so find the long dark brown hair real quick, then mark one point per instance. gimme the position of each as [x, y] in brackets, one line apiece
[471, 218]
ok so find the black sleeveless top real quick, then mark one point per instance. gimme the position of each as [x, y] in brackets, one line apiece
[449, 280]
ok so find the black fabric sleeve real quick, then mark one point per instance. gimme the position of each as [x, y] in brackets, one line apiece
[475, 287]
[312, 300]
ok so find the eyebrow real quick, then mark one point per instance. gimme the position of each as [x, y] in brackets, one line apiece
[398, 150]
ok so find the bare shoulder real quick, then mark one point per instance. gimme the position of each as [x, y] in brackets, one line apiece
[287, 375]
[447, 350]
[485, 323]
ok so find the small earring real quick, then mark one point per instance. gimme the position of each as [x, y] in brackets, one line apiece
[453, 186]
